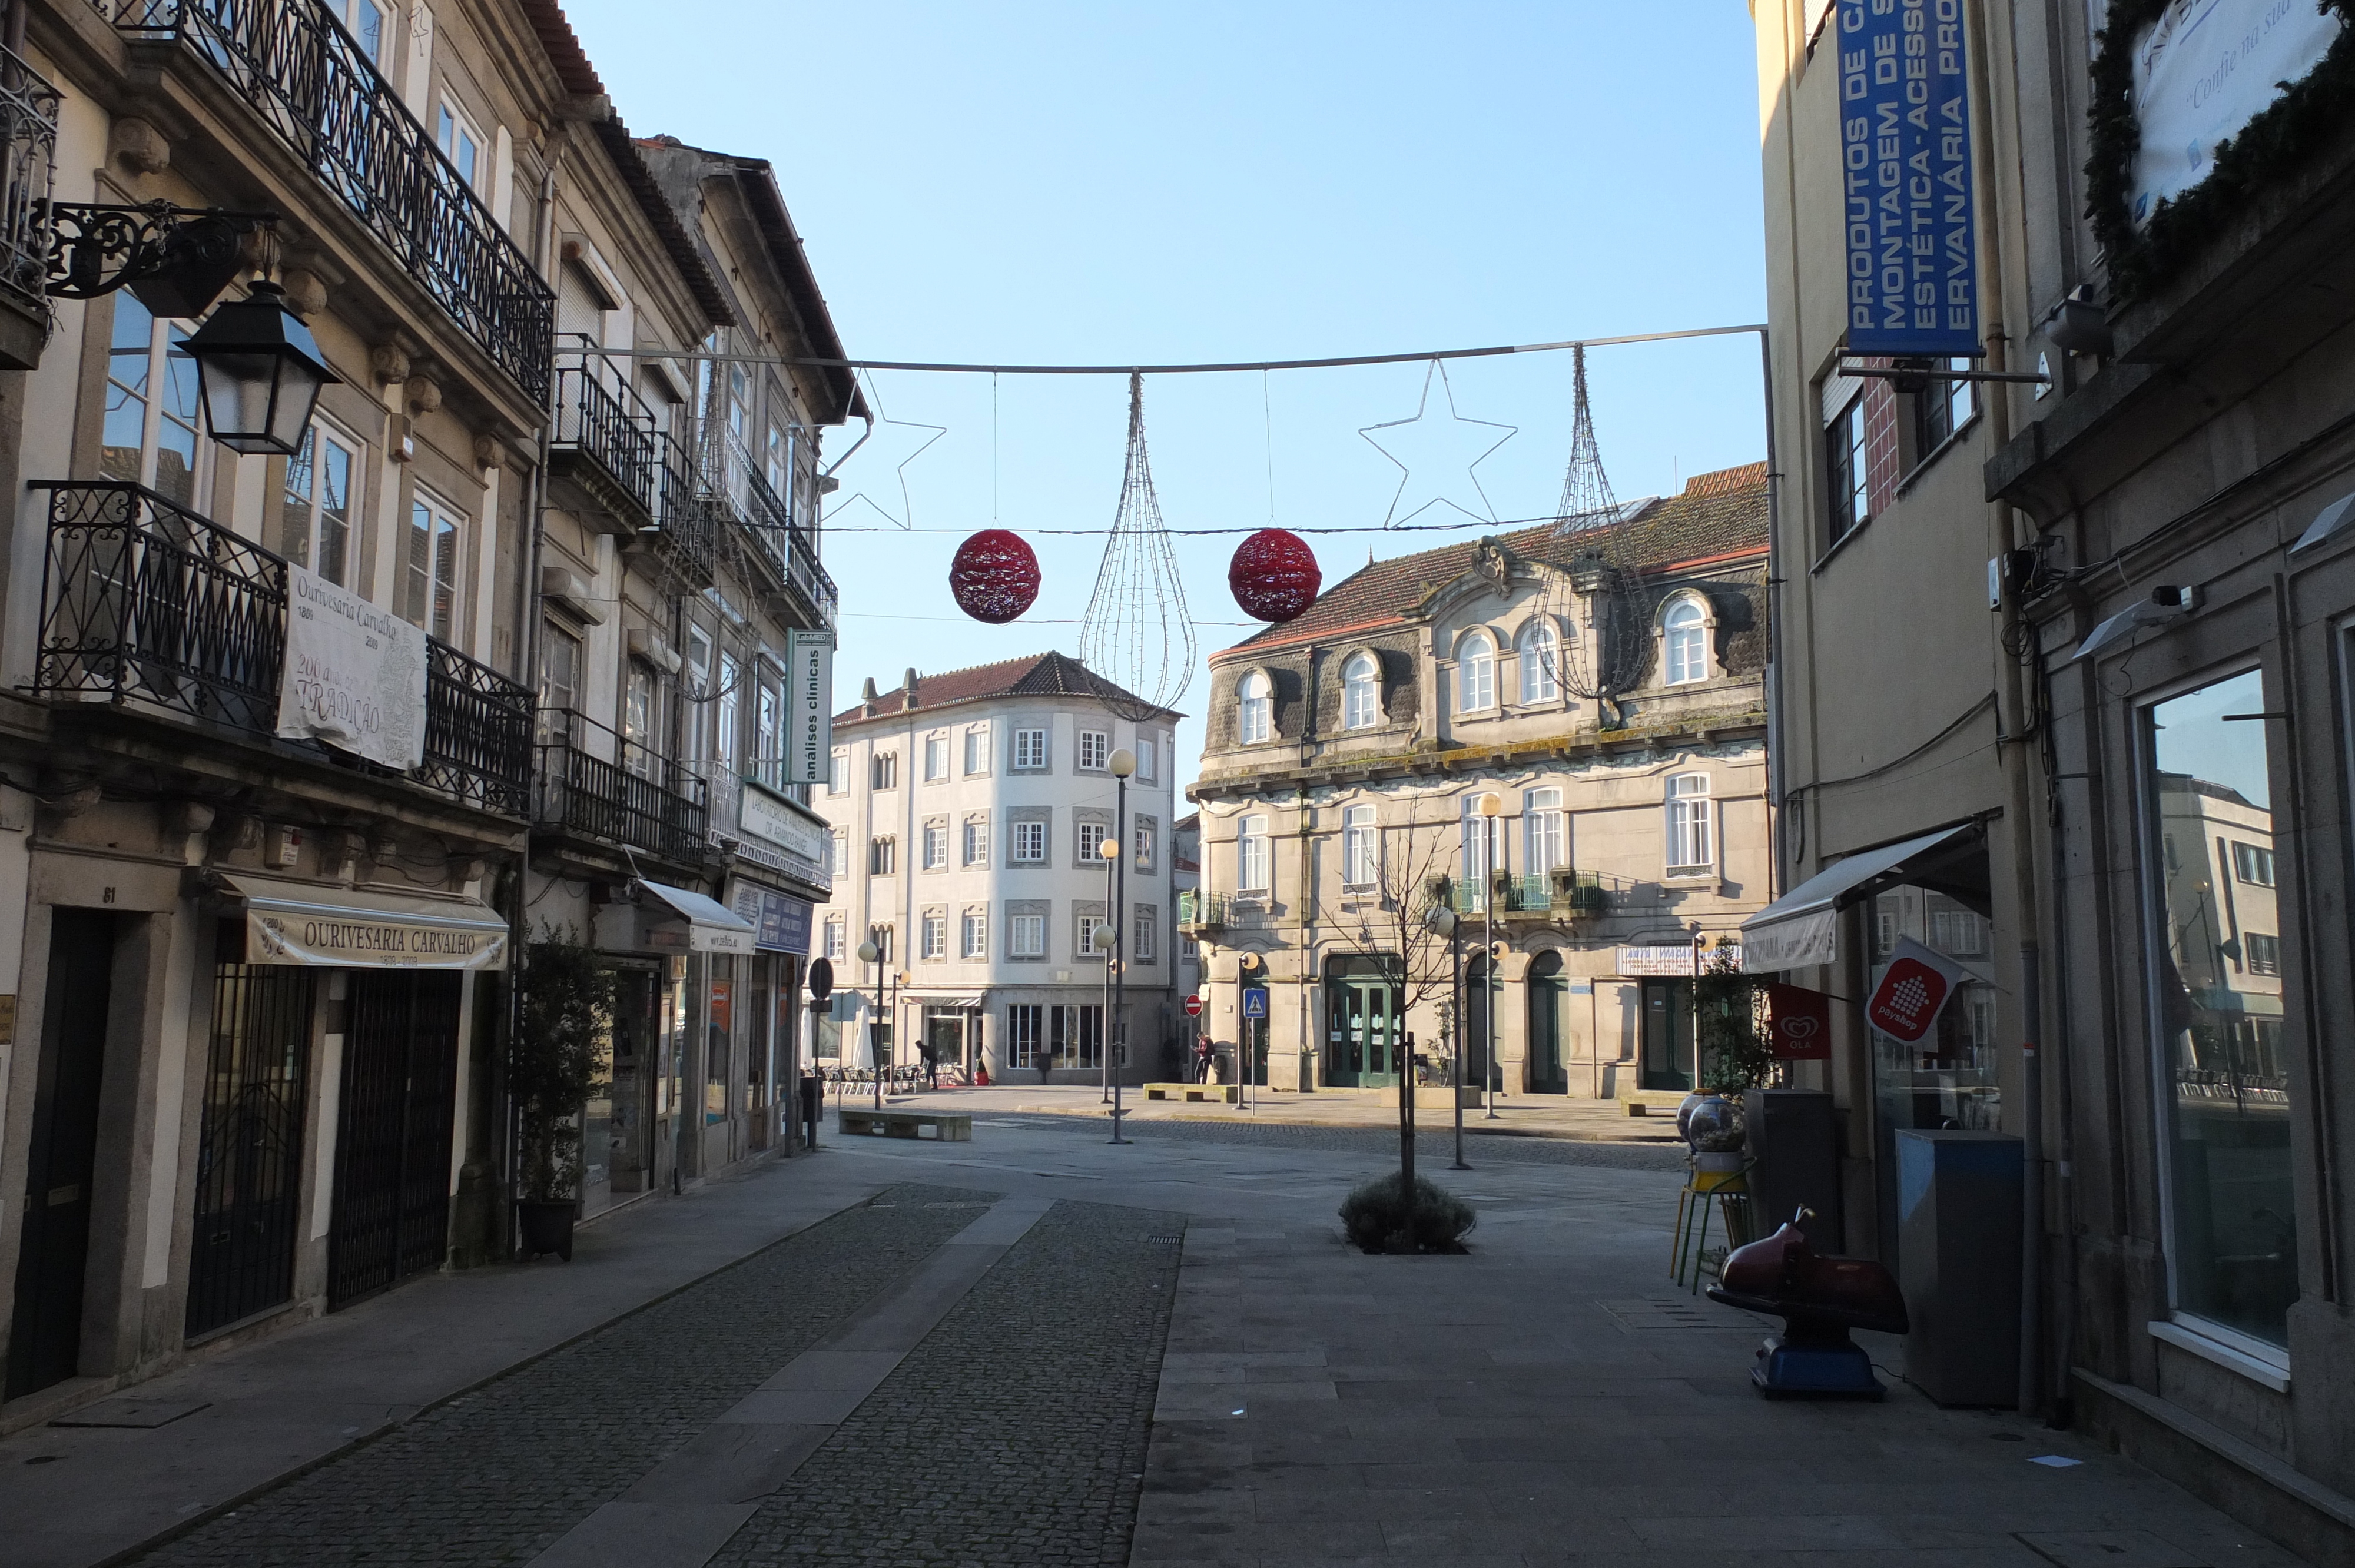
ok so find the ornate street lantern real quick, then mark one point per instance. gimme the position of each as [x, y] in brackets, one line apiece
[260, 372]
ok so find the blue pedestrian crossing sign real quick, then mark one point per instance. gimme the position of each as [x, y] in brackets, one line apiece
[1256, 1002]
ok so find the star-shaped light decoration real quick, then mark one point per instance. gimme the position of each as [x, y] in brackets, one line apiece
[882, 456]
[1436, 455]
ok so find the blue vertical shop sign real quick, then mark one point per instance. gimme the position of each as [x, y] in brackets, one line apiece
[1905, 146]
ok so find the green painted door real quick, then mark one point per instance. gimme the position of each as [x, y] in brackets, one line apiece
[1362, 1033]
[1545, 990]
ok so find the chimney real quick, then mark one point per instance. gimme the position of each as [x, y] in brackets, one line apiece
[867, 697]
[909, 688]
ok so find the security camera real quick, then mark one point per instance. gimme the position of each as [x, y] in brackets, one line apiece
[2166, 603]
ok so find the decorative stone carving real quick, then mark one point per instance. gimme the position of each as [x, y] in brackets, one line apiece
[388, 363]
[424, 393]
[138, 147]
[306, 291]
[490, 452]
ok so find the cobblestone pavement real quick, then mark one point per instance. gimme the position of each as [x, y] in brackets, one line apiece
[1433, 1146]
[1015, 1433]
[494, 1476]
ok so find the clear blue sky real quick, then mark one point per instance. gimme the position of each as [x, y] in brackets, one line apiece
[1127, 183]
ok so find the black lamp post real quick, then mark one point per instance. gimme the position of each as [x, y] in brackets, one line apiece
[1123, 763]
[1444, 920]
[260, 370]
[872, 956]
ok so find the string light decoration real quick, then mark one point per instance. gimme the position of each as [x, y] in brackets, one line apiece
[883, 454]
[1273, 575]
[1427, 447]
[994, 576]
[1594, 600]
[1137, 634]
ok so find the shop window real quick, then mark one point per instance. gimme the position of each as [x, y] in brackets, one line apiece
[2224, 1105]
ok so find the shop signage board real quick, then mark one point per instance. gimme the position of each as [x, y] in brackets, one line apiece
[2203, 70]
[1799, 1024]
[779, 821]
[809, 705]
[341, 927]
[354, 674]
[1905, 149]
[780, 922]
[1913, 993]
[1678, 961]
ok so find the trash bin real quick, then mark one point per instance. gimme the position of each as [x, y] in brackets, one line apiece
[1958, 1196]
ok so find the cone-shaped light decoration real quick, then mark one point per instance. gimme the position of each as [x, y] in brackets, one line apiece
[1138, 635]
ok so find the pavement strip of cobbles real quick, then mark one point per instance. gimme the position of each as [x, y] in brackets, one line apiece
[1015, 1432]
[498, 1473]
[1433, 1147]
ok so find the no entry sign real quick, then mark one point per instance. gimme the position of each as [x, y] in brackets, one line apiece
[1194, 1005]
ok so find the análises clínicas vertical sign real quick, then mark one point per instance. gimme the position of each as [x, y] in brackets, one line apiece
[1905, 147]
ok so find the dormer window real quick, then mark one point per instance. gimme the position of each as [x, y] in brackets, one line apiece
[1361, 692]
[1475, 674]
[1255, 708]
[1540, 663]
[1685, 637]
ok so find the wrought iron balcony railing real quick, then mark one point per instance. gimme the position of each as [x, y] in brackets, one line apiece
[606, 786]
[1563, 892]
[310, 80]
[606, 439]
[782, 543]
[146, 603]
[685, 527]
[28, 146]
[1199, 911]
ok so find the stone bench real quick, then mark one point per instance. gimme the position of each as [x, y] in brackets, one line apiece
[1653, 1102]
[1224, 1094]
[948, 1127]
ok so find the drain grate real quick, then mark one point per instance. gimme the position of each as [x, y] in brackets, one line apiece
[1664, 1312]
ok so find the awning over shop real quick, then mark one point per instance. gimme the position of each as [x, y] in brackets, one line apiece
[711, 925]
[343, 928]
[1801, 929]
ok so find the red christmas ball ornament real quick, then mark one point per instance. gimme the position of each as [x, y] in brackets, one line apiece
[994, 576]
[1275, 576]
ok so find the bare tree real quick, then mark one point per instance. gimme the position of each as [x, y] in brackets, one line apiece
[1410, 866]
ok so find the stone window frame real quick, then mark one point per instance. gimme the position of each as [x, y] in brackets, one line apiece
[933, 919]
[1045, 730]
[1082, 819]
[1143, 935]
[1043, 911]
[967, 916]
[1079, 739]
[1381, 714]
[989, 751]
[1522, 702]
[965, 857]
[1712, 667]
[941, 738]
[938, 823]
[1495, 640]
[1017, 819]
[1275, 729]
[1144, 844]
[1086, 914]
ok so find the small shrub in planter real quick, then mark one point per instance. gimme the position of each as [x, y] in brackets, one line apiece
[1379, 1218]
[553, 1068]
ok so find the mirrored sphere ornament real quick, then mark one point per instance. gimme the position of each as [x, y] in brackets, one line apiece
[1716, 1125]
[1275, 576]
[994, 576]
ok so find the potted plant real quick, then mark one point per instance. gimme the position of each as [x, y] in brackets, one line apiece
[553, 1069]
[1730, 1024]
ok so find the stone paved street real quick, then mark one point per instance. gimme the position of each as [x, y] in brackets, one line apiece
[1037, 1347]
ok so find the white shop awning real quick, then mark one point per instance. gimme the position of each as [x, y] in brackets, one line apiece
[711, 925]
[343, 927]
[1801, 929]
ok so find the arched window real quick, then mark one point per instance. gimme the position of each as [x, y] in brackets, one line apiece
[1686, 655]
[1475, 674]
[1255, 708]
[1540, 663]
[1361, 692]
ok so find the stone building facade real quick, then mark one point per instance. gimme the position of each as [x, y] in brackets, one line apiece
[254, 951]
[1338, 796]
[2070, 652]
[966, 811]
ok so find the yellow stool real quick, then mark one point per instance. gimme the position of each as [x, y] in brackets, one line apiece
[1729, 1192]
